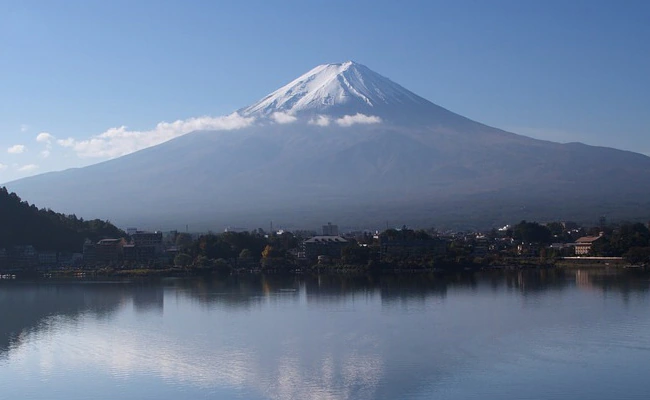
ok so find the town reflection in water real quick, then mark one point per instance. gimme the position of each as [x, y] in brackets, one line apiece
[297, 337]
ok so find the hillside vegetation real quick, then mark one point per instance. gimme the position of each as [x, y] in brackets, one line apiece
[22, 223]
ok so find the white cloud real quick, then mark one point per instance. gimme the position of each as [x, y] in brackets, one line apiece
[117, 142]
[69, 142]
[24, 128]
[321, 120]
[349, 120]
[283, 118]
[47, 139]
[3, 167]
[28, 168]
[17, 149]
[44, 137]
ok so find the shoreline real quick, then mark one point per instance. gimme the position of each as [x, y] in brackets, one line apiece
[319, 270]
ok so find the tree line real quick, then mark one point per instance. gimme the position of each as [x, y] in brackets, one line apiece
[628, 239]
[22, 223]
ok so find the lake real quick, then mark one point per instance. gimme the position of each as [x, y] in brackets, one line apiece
[502, 335]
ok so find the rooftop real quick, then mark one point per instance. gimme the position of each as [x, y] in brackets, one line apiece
[108, 241]
[326, 239]
[588, 239]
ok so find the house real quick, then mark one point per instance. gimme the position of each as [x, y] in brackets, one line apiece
[330, 246]
[583, 245]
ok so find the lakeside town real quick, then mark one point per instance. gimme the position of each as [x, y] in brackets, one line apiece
[526, 244]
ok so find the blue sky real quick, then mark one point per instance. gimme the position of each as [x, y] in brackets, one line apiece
[558, 70]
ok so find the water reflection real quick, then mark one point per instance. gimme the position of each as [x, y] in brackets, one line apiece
[148, 297]
[337, 337]
[27, 307]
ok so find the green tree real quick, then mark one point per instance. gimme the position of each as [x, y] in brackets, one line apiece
[183, 241]
[638, 255]
[25, 224]
[245, 254]
[182, 260]
[556, 228]
[221, 265]
[355, 254]
[621, 240]
[283, 242]
[532, 232]
[203, 261]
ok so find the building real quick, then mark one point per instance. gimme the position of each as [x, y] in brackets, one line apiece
[330, 246]
[24, 256]
[563, 249]
[4, 259]
[144, 247]
[481, 246]
[89, 253]
[71, 259]
[583, 246]
[48, 258]
[109, 251]
[135, 253]
[527, 250]
[148, 239]
[235, 229]
[330, 230]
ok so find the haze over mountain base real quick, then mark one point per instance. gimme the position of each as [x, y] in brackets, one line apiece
[342, 143]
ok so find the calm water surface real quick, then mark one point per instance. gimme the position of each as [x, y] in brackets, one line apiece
[548, 335]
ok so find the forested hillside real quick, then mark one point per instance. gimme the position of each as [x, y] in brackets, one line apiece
[25, 224]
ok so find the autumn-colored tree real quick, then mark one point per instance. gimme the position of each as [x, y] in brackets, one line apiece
[270, 252]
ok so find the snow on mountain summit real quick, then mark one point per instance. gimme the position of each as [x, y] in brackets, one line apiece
[336, 89]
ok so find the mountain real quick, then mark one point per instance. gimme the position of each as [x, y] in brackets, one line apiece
[332, 91]
[336, 90]
[343, 143]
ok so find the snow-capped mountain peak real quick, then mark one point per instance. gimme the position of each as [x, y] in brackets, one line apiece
[338, 89]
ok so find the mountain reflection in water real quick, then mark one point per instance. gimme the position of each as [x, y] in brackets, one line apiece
[491, 335]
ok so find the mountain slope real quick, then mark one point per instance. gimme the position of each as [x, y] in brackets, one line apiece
[342, 142]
